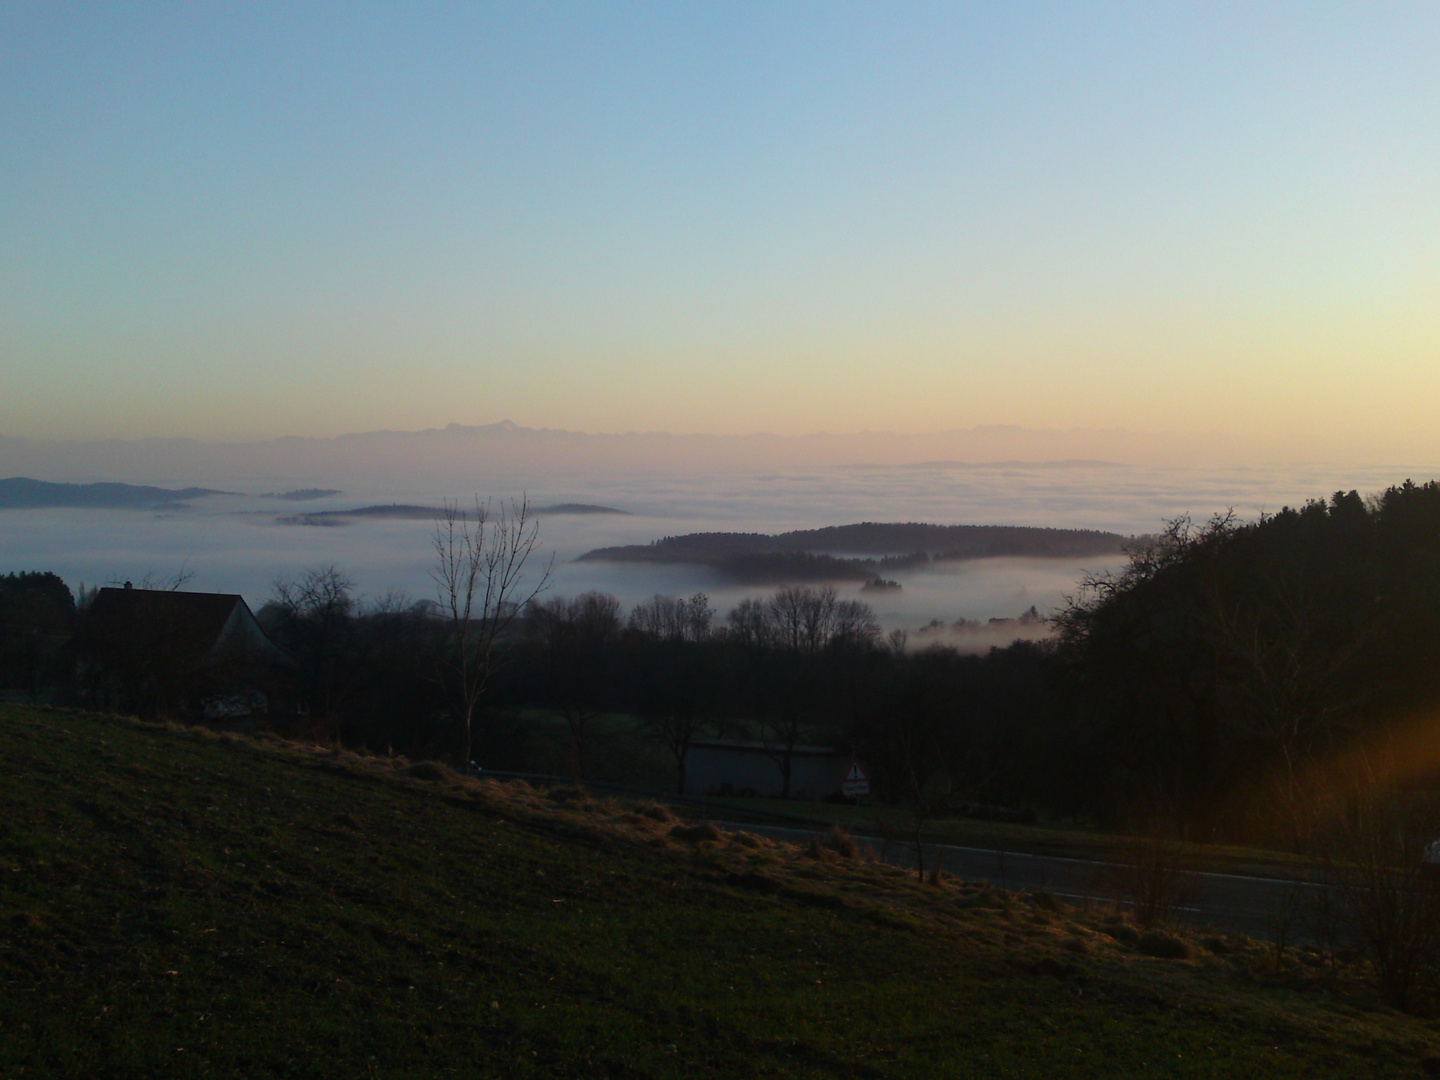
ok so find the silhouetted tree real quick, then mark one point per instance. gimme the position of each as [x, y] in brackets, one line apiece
[37, 617]
[679, 672]
[674, 618]
[1227, 658]
[578, 637]
[784, 639]
[311, 617]
[480, 575]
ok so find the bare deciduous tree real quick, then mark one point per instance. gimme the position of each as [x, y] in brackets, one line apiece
[169, 583]
[1152, 876]
[807, 620]
[481, 588]
[310, 616]
[1375, 851]
[787, 637]
[674, 618]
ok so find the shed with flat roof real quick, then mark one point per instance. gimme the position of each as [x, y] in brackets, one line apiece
[730, 767]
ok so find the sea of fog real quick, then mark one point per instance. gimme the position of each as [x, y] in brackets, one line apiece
[234, 543]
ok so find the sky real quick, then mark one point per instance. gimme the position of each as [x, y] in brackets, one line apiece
[242, 221]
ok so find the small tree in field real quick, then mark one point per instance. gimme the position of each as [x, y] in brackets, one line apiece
[481, 588]
[1389, 895]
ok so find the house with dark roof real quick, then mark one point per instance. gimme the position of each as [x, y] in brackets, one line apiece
[154, 651]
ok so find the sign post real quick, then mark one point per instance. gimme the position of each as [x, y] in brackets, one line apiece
[856, 782]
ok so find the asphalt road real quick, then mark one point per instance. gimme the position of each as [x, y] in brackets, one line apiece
[1232, 903]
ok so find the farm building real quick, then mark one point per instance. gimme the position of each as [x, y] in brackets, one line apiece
[725, 767]
[159, 651]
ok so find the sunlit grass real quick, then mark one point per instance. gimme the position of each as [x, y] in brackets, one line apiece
[177, 903]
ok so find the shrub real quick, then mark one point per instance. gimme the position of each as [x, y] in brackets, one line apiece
[1152, 878]
[695, 834]
[1166, 946]
[1389, 897]
[430, 770]
[568, 795]
[985, 896]
[841, 842]
[1124, 933]
[817, 849]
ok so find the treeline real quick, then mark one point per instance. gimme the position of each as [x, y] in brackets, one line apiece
[858, 552]
[23, 492]
[1231, 665]
[37, 620]
[803, 566]
[1211, 686]
[801, 666]
[590, 689]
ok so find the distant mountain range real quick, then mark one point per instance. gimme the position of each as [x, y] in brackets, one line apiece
[858, 552]
[20, 492]
[461, 457]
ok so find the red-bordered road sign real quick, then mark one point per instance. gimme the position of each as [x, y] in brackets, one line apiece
[856, 782]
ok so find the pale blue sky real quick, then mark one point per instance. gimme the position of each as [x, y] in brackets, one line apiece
[249, 220]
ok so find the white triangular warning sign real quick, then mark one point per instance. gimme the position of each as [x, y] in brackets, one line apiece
[856, 782]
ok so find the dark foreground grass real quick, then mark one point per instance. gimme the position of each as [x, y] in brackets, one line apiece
[177, 904]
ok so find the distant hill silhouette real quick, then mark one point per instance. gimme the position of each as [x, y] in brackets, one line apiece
[858, 552]
[302, 494]
[409, 512]
[457, 457]
[20, 492]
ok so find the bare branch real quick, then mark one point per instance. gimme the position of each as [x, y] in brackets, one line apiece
[479, 571]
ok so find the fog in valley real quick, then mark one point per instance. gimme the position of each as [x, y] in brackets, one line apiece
[238, 543]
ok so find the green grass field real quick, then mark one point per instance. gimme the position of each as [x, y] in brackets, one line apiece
[176, 903]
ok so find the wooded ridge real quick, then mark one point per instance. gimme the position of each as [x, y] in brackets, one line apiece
[858, 552]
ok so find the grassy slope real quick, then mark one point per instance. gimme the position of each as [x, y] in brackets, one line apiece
[173, 903]
[1046, 838]
[617, 741]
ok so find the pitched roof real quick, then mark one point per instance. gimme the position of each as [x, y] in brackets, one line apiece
[183, 624]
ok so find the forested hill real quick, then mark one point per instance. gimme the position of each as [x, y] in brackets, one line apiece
[952, 541]
[19, 492]
[406, 511]
[1247, 656]
[854, 552]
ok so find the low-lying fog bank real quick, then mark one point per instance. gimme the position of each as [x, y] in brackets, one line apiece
[236, 543]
